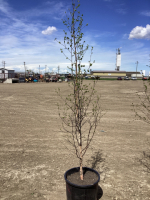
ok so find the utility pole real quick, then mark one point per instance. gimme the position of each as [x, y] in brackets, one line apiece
[3, 62]
[45, 71]
[25, 70]
[116, 60]
[39, 69]
[149, 65]
[149, 60]
[136, 68]
[58, 69]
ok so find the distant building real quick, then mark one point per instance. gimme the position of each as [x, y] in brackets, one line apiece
[143, 72]
[111, 74]
[6, 73]
[67, 75]
[129, 74]
[106, 74]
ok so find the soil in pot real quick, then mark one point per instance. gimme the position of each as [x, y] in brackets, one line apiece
[89, 178]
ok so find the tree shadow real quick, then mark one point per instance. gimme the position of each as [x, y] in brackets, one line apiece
[144, 160]
[97, 162]
[96, 159]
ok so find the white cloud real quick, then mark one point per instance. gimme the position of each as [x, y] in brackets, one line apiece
[51, 10]
[22, 41]
[145, 13]
[140, 32]
[4, 7]
[49, 30]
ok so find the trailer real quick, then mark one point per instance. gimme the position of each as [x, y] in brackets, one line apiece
[137, 75]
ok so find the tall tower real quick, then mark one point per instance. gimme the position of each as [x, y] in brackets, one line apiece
[118, 59]
[143, 72]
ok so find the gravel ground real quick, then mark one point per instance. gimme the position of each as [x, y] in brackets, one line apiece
[32, 147]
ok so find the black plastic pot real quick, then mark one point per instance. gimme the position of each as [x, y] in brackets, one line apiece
[81, 192]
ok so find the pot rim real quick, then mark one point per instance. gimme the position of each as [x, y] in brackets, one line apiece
[81, 186]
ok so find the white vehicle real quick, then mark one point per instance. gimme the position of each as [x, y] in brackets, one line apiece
[126, 78]
[133, 78]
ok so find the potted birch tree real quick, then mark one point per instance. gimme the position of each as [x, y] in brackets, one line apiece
[82, 111]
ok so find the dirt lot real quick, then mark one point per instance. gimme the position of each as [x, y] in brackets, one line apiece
[33, 158]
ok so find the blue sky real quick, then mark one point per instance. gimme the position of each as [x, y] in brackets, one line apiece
[28, 29]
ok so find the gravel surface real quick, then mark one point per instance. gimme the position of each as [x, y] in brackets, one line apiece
[33, 156]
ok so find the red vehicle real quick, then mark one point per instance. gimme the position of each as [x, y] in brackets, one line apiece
[119, 78]
[145, 78]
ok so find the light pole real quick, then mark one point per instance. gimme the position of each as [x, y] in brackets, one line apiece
[25, 70]
[136, 68]
[58, 69]
[4, 68]
[45, 71]
[149, 72]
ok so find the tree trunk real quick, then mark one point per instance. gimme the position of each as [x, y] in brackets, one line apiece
[76, 97]
[81, 169]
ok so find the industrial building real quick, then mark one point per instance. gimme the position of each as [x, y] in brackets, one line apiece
[6, 73]
[106, 74]
[112, 74]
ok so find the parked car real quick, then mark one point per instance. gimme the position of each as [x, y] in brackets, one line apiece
[145, 78]
[133, 78]
[97, 77]
[53, 79]
[126, 78]
[92, 77]
[119, 78]
[21, 80]
[47, 79]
